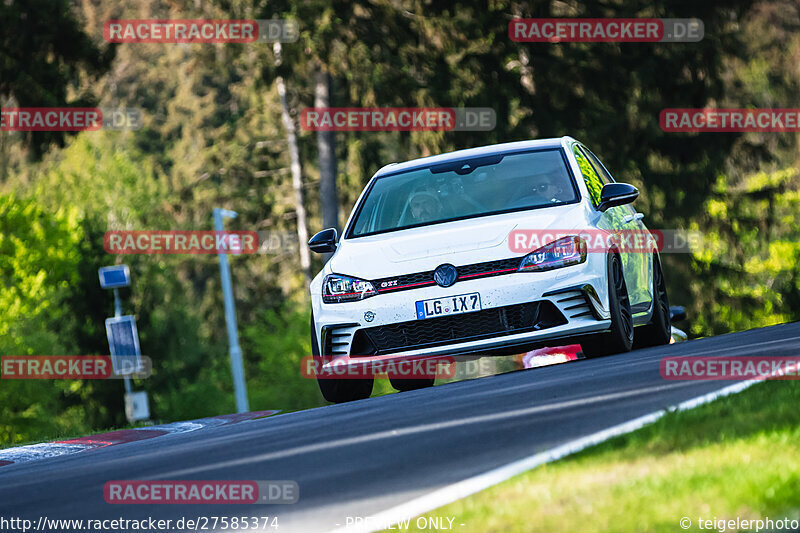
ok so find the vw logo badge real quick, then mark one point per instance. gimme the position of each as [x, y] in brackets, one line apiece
[445, 275]
[369, 316]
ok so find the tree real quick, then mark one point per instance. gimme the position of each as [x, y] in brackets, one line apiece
[44, 53]
[326, 147]
[297, 169]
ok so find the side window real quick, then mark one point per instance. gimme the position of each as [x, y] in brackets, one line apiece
[590, 177]
[598, 166]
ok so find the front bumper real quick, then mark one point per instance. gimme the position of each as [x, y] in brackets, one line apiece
[576, 294]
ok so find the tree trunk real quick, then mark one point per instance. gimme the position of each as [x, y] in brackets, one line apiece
[297, 172]
[3, 158]
[326, 145]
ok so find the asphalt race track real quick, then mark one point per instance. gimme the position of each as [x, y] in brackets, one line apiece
[361, 458]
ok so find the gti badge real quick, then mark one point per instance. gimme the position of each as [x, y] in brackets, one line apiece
[369, 316]
[445, 275]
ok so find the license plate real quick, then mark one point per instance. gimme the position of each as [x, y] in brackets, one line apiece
[449, 305]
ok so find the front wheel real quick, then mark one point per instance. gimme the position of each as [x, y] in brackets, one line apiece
[620, 338]
[338, 390]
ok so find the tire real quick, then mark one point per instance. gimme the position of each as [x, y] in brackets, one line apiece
[659, 330]
[403, 385]
[620, 338]
[339, 390]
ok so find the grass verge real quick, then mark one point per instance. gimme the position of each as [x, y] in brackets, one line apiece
[735, 457]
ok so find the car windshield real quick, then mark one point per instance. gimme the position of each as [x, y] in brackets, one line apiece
[466, 188]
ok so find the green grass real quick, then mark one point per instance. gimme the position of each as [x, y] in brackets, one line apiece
[737, 456]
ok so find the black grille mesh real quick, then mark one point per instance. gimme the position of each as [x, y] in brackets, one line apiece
[459, 328]
[490, 266]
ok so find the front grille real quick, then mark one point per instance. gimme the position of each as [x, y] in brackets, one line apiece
[489, 268]
[404, 282]
[465, 272]
[464, 327]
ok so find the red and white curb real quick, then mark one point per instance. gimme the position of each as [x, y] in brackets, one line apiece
[551, 356]
[32, 452]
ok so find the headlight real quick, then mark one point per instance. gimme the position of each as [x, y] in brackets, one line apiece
[337, 288]
[561, 253]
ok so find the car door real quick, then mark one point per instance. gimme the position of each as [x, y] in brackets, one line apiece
[613, 219]
[631, 222]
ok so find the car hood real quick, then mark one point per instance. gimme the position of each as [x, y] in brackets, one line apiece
[460, 242]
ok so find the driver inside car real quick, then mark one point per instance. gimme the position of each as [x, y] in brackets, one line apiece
[549, 191]
[424, 207]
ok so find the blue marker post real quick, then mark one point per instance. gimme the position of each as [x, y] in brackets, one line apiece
[237, 369]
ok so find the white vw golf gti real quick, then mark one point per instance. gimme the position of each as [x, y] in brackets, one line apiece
[426, 267]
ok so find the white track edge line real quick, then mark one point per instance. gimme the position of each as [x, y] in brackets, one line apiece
[461, 489]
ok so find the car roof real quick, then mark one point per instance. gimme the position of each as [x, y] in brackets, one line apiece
[392, 168]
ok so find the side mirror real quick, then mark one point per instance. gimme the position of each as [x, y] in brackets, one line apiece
[677, 313]
[614, 194]
[324, 242]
